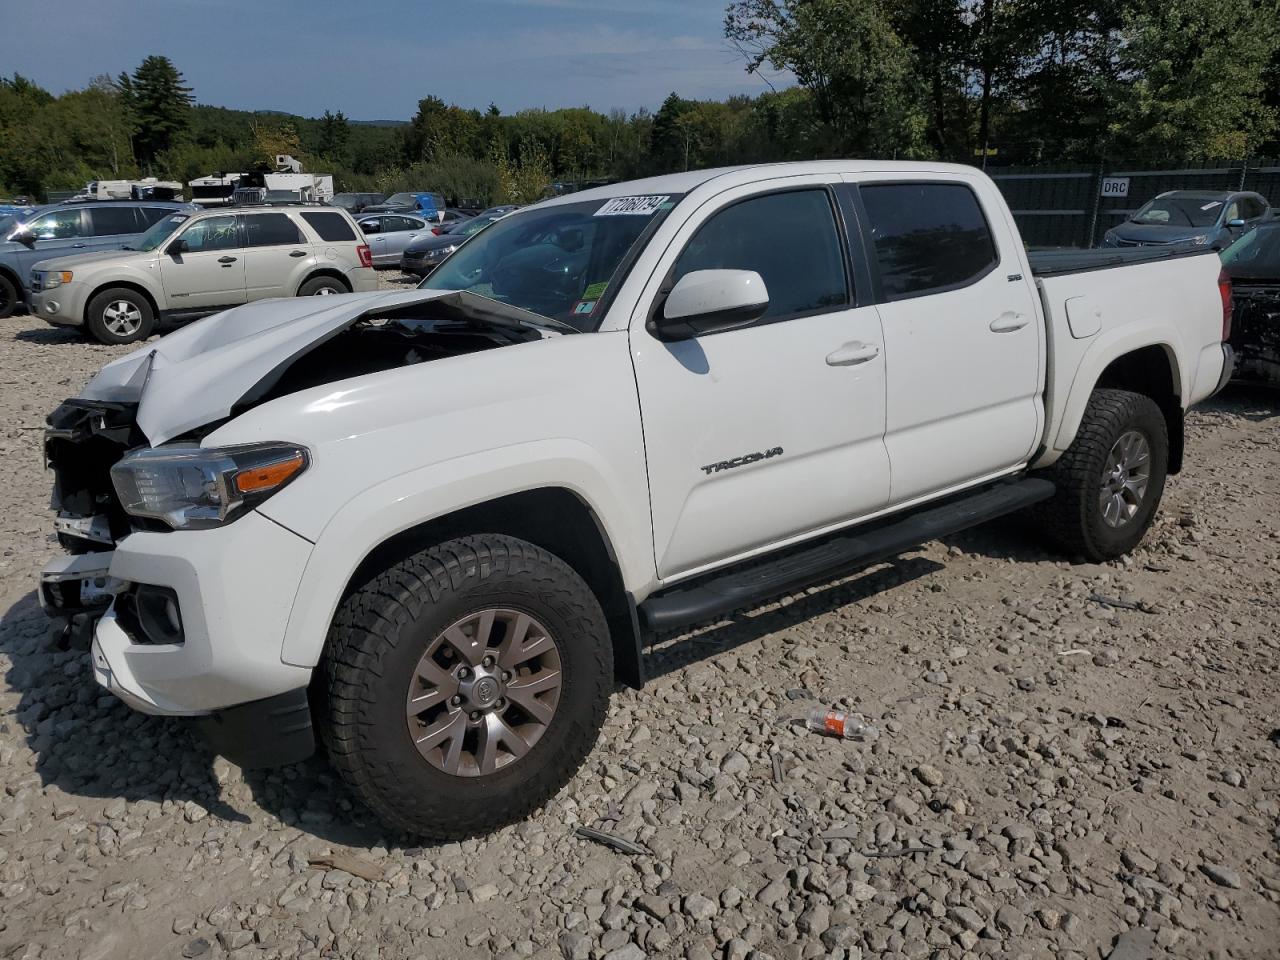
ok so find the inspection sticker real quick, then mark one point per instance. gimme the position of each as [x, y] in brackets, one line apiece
[632, 206]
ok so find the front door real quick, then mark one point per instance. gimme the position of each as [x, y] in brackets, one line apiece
[963, 342]
[763, 434]
[209, 272]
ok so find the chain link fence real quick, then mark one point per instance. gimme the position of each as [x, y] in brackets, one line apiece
[1065, 206]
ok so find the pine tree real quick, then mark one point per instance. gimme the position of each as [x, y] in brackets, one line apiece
[159, 105]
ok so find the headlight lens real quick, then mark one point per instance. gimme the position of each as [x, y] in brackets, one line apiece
[195, 488]
[55, 278]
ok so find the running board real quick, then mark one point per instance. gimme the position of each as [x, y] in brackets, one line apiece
[723, 594]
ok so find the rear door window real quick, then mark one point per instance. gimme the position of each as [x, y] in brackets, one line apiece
[331, 227]
[113, 221]
[789, 238]
[270, 230]
[927, 237]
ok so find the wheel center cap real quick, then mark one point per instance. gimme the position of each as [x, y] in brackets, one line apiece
[482, 689]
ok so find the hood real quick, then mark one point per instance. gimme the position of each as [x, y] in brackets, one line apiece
[199, 374]
[83, 259]
[1158, 233]
[435, 242]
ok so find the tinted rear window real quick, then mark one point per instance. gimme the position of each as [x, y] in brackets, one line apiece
[112, 221]
[927, 236]
[331, 227]
[270, 230]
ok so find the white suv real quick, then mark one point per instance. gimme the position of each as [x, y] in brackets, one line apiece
[189, 265]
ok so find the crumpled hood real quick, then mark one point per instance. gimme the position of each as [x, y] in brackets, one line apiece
[197, 375]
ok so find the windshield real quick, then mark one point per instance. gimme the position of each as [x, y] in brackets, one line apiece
[160, 231]
[1180, 212]
[400, 199]
[1256, 254]
[557, 261]
[465, 228]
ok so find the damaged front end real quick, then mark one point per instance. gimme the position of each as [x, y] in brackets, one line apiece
[1255, 331]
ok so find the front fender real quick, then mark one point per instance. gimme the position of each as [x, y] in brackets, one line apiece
[410, 499]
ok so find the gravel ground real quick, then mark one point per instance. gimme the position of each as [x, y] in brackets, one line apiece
[1050, 774]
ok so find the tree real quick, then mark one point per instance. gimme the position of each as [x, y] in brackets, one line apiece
[159, 106]
[847, 55]
[335, 135]
[271, 138]
[1194, 75]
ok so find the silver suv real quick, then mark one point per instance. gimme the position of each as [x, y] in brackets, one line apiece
[189, 265]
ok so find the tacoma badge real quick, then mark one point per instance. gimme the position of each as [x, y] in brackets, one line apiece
[741, 461]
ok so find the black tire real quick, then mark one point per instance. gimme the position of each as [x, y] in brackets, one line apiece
[384, 628]
[320, 286]
[1073, 518]
[103, 317]
[8, 297]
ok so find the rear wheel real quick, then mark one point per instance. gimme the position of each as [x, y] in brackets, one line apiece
[8, 297]
[120, 315]
[466, 684]
[322, 287]
[1111, 479]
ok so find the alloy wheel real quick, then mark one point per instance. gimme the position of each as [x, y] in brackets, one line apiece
[1125, 477]
[122, 318]
[484, 692]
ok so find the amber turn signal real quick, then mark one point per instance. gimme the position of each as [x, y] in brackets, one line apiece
[269, 476]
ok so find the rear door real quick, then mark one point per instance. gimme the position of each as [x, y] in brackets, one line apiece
[276, 254]
[209, 273]
[112, 227]
[397, 233]
[964, 346]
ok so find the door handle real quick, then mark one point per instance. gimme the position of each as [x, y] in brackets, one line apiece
[297, 253]
[226, 261]
[853, 352]
[1008, 322]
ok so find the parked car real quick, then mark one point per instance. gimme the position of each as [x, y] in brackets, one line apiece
[424, 254]
[389, 234]
[448, 519]
[1253, 263]
[355, 203]
[192, 264]
[58, 229]
[428, 204]
[1194, 217]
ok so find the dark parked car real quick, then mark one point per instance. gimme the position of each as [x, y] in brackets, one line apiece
[63, 229]
[1193, 217]
[355, 203]
[423, 255]
[1253, 263]
[425, 204]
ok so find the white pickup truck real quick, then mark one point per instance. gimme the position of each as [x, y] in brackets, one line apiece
[437, 525]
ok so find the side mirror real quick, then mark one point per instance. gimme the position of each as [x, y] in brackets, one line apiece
[371, 226]
[1236, 224]
[708, 301]
[24, 237]
[178, 247]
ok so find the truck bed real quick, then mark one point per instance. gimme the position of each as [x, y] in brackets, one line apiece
[1053, 263]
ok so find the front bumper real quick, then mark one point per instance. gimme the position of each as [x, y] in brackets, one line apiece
[234, 589]
[62, 306]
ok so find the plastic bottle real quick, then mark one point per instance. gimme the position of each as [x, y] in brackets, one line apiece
[837, 723]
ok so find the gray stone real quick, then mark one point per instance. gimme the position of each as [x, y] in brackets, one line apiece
[902, 806]
[199, 947]
[628, 952]
[928, 775]
[1222, 876]
[574, 946]
[1135, 944]
[699, 907]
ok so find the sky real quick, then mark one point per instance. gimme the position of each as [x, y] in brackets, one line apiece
[374, 59]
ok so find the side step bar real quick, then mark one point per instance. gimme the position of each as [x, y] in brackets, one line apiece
[722, 594]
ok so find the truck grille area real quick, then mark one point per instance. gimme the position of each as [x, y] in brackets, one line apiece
[83, 441]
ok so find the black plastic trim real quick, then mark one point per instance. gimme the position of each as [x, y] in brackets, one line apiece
[723, 593]
[263, 733]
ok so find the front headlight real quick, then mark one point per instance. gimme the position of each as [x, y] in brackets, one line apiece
[54, 278]
[195, 488]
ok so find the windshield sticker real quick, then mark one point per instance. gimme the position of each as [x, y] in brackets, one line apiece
[1211, 205]
[595, 291]
[632, 206]
[584, 307]
[178, 218]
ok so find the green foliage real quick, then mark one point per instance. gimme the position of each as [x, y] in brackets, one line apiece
[158, 104]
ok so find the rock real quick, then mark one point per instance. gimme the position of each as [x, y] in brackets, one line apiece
[484, 893]
[929, 776]
[574, 946]
[1134, 944]
[737, 949]
[902, 806]
[698, 907]
[199, 947]
[1011, 920]
[1222, 876]
[967, 917]
[234, 939]
[734, 764]
[628, 952]
[840, 936]
[655, 906]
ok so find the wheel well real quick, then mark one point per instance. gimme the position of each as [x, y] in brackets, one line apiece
[325, 272]
[1151, 372]
[127, 285]
[11, 277]
[555, 520]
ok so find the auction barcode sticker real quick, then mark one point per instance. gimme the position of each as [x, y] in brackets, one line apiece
[634, 206]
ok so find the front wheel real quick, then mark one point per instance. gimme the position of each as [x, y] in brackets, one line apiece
[120, 315]
[1111, 478]
[466, 685]
[8, 297]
